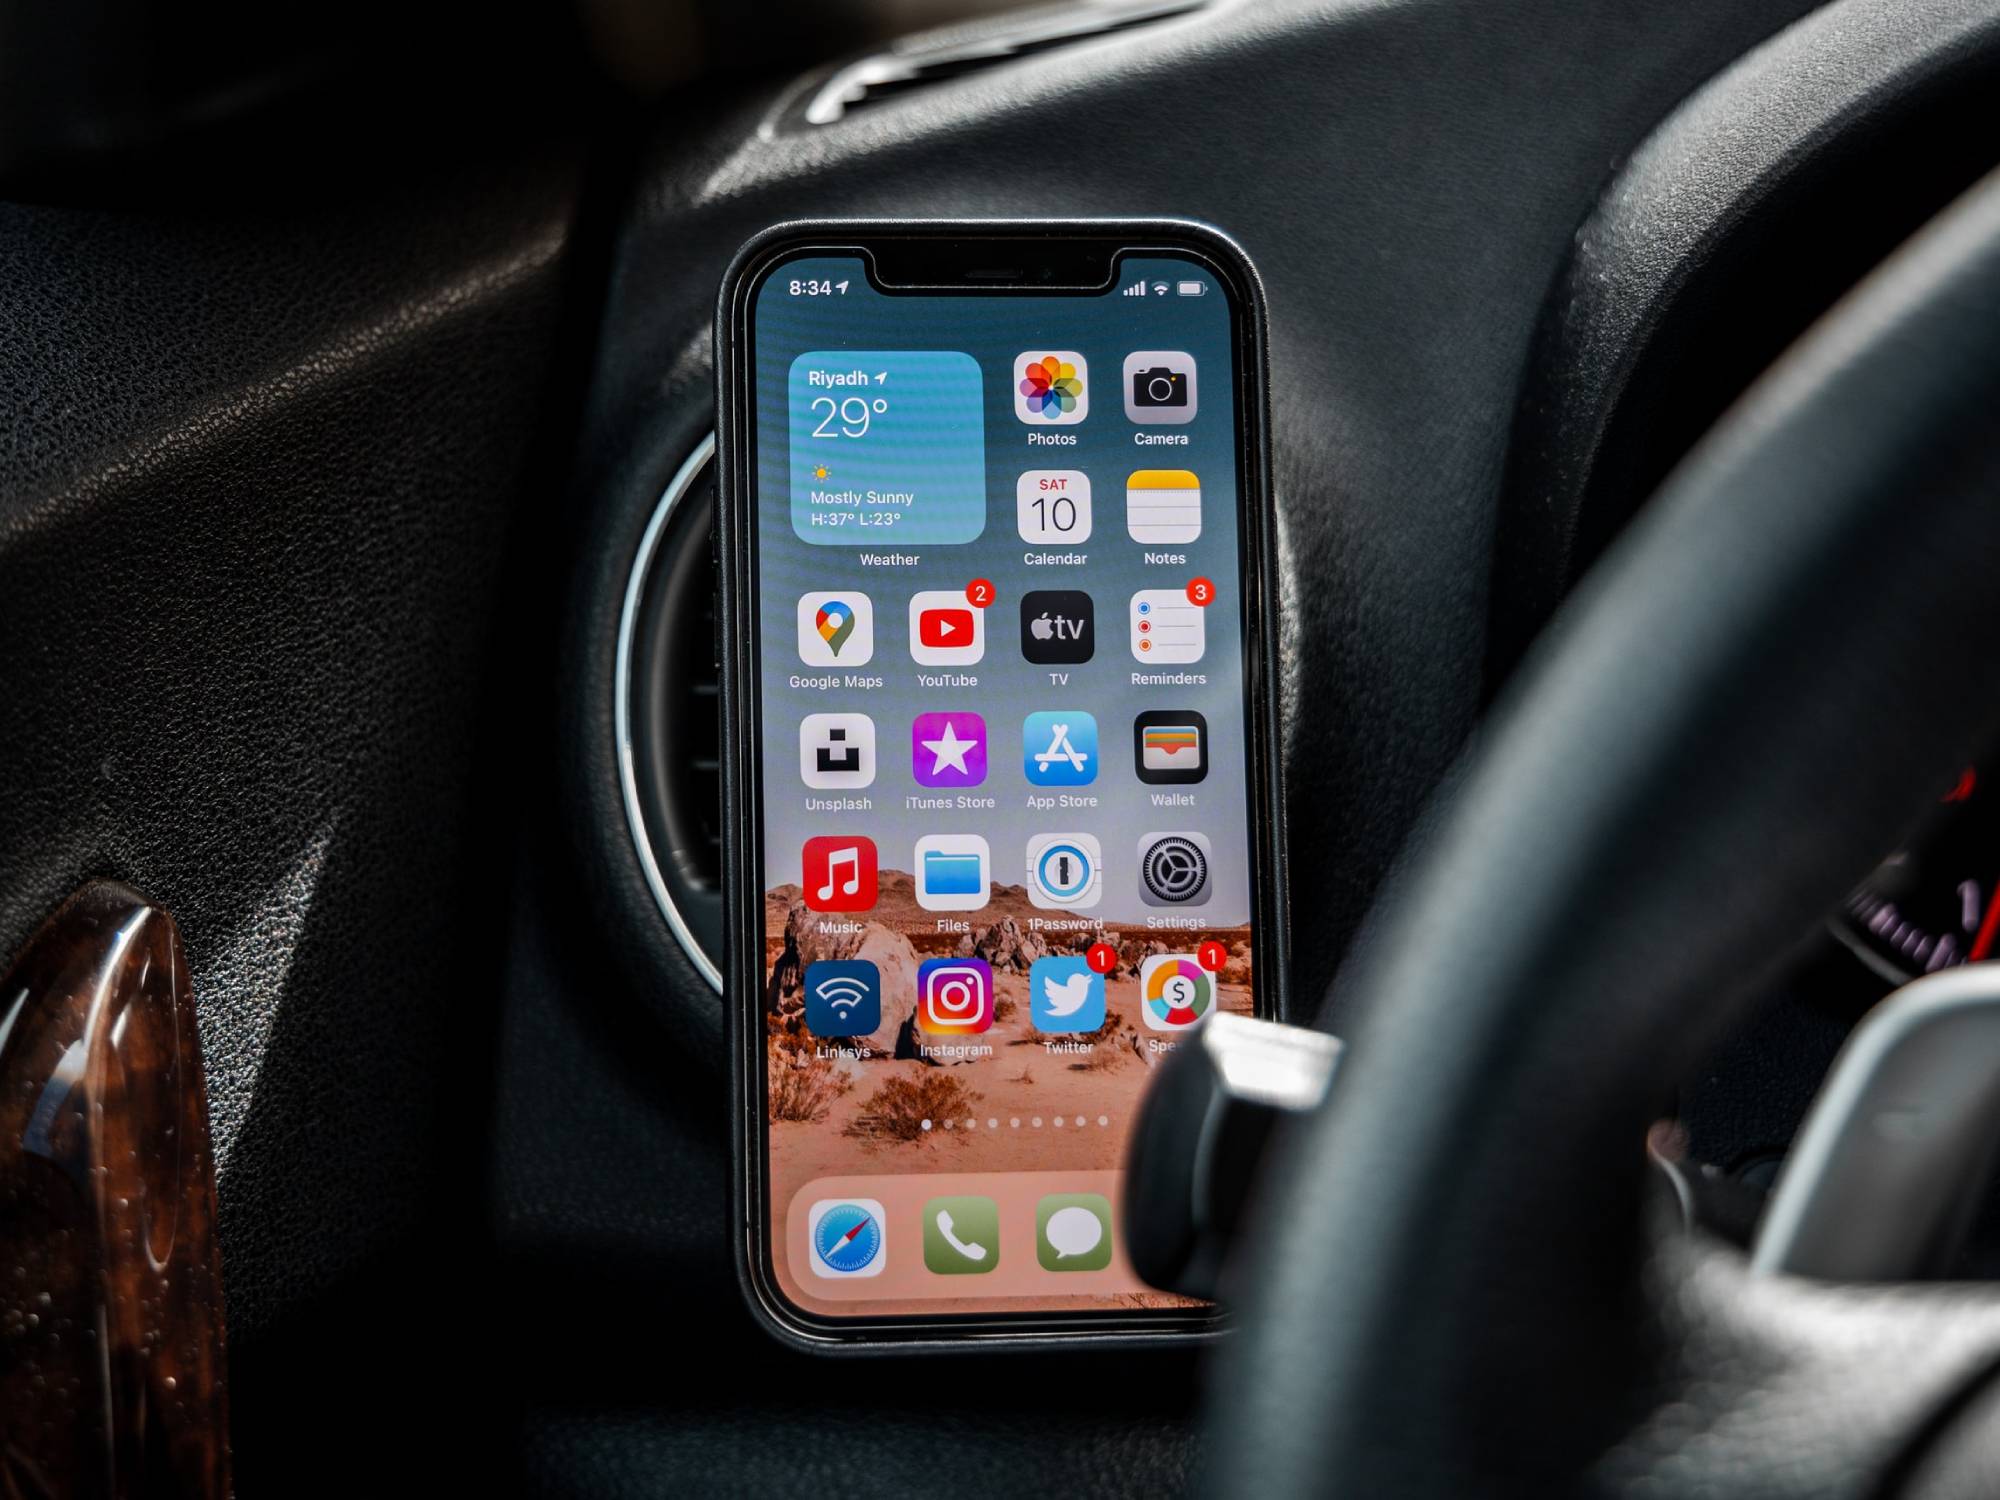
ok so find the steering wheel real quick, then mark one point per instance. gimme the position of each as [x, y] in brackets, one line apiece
[1460, 1278]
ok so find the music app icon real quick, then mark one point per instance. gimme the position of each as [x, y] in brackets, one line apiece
[838, 874]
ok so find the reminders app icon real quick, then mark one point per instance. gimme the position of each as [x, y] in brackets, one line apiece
[1166, 627]
[1170, 746]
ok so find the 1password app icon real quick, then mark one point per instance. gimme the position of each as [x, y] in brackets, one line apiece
[836, 629]
[961, 1236]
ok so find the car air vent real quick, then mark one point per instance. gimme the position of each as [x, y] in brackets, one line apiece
[669, 712]
[934, 56]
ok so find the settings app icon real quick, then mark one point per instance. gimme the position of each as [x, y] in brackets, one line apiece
[1174, 869]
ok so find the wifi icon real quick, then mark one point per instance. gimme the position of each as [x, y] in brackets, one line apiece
[843, 997]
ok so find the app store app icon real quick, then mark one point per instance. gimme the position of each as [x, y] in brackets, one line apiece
[1059, 749]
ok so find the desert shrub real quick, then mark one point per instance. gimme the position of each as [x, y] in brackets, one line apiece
[897, 1110]
[800, 1087]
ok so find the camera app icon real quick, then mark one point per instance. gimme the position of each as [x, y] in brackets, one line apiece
[954, 996]
[1160, 387]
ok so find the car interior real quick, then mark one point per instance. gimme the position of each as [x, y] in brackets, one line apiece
[1626, 1116]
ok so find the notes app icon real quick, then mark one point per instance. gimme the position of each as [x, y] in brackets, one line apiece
[1163, 506]
[838, 873]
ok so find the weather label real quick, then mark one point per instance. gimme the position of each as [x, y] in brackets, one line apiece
[887, 448]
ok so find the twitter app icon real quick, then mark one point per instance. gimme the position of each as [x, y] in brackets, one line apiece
[1065, 996]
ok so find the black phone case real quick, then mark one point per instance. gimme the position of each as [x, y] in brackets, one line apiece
[743, 932]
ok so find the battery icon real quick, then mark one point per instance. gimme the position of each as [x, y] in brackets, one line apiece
[1191, 288]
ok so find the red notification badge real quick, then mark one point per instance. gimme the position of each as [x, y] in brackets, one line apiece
[1211, 955]
[979, 593]
[1102, 958]
[1200, 591]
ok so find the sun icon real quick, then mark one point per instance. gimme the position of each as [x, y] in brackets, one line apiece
[819, 472]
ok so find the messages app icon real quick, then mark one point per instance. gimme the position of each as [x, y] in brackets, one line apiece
[1065, 996]
[1073, 1232]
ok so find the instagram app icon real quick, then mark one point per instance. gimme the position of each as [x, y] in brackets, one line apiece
[954, 996]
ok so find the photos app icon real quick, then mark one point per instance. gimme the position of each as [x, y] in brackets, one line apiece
[1051, 389]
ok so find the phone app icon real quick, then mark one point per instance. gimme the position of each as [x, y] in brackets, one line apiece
[961, 1236]
[837, 873]
[837, 750]
[1163, 506]
[1170, 746]
[1166, 627]
[948, 749]
[954, 996]
[843, 997]
[1073, 1232]
[1175, 991]
[1174, 869]
[1065, 995]
[1052, 506]
[849, 1238]
[1160, 386]
[1051, 390]
[954, 872]
[836, 629]
[1065, 870]
[1058, 626]
[945, 630]
[1059, 749]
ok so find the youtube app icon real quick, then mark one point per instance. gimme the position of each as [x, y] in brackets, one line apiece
[945, 630]
[945, 627]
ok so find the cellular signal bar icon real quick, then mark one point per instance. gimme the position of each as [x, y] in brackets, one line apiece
[1136, 289]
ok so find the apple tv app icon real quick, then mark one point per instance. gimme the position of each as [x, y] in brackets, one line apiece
[1057, 626]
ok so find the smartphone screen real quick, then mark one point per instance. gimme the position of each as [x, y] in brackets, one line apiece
[1005, 768]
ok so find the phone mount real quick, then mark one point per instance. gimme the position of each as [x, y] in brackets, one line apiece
[1203, 1129]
